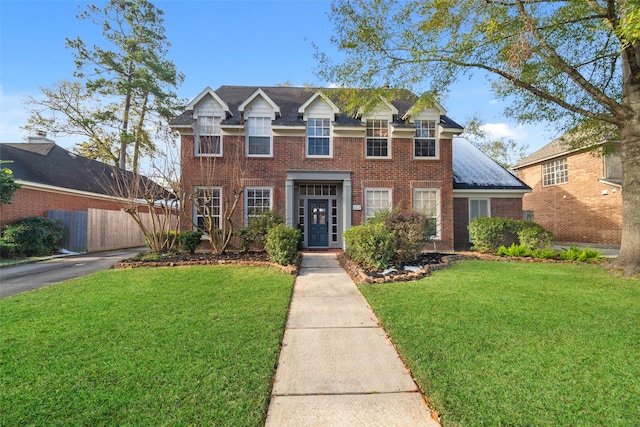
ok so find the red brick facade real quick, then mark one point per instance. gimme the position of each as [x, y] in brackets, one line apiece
[29, 202]
[583, 209]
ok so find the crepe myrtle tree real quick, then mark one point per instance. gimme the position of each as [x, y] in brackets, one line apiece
[575, 64]
[214, 198]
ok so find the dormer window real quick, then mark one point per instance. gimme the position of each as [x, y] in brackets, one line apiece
[259, 141]
[377, 141]
[319, 137]
[208, 139]
[424, 142]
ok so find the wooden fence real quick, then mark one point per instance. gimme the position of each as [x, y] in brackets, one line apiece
[100, 230]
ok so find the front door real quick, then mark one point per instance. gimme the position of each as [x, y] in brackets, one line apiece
[318, 225]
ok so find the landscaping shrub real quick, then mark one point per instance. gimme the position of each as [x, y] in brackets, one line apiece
[281, 244]
[534, 236]
[514, 250]
[412, 230]
[257, 229]
[34, 236]
[489, 233]
[574, 253]
[370, 245]
[7, 250]
[189, 240]
[544, 253]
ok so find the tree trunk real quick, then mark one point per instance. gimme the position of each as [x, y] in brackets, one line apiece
[629, 257]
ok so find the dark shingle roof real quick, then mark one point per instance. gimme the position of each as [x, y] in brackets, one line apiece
[289, 99]
[49, 164]
[474, 170]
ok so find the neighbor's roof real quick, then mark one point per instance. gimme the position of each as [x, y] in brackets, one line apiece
[474, 170]
[289, 99]
[46, 163]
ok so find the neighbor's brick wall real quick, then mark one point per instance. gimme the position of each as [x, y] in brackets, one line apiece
[29, 202]
[401, 173]
[576, 211]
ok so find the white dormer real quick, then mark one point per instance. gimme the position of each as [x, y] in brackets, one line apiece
[259, 105]
[318, 106]
[382, 111]
[208, 103]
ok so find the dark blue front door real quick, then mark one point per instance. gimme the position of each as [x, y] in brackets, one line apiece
[318, 225]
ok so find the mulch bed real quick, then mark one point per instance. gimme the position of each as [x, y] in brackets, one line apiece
[251, 258]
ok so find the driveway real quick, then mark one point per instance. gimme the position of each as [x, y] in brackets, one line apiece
[26, 277]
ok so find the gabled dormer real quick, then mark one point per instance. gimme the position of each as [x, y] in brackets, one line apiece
[258, 110]
[378, 134]
[319, 114]
[208, 112]
[430, 125]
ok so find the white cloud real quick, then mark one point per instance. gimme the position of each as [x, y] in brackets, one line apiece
[494, 102]
[505, 130]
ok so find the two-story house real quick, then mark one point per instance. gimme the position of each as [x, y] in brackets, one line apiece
[325, 168]
[577, 193]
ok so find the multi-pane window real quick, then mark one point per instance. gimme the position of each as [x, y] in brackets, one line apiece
[427, 201]
[257, 201]
[207, 207]
[318, 137]
[208, 138]
[259, 136]
[376, 200]
[554, 172]
[424, 142]
[478, 208]
[377, 139]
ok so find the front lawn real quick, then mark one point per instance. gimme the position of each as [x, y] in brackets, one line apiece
[181, 346]
[519, 344]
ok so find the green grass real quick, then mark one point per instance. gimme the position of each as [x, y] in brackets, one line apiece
[182, 346]
[520, 344]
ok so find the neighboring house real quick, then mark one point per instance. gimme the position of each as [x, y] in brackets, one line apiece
[577, 193]
[298, 151]
[62, 185]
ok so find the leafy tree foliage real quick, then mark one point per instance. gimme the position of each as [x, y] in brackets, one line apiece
[573, 63]
[122, 92]
[8, 185]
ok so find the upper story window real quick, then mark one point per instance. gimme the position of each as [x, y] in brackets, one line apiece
[554, 172]
[208, 140]
[259, 142]
[319, 137]
[377, 141]
[424, 142]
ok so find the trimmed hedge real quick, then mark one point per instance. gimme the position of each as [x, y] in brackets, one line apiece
[370, 245]
[281, 244]
[412, 230]
[189, 240]
[488, 234]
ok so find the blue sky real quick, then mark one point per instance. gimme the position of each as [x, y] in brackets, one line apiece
[214, 43]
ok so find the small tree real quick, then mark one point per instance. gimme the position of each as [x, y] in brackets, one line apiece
[216, 199]
[8, 185]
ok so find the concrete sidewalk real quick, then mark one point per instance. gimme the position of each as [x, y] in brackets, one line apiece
[337, 367]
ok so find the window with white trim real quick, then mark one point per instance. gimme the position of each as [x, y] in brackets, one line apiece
[319, 137]
[554, 173]
[377, 141]
[208, 139]
[427, 201]
[376, 200]
[257, 200]
[207, 207]
[259, 141]
[424, 141]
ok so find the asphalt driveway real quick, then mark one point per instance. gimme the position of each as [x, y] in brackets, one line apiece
[26, 277]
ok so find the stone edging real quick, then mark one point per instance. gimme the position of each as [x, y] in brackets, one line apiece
[289, 269]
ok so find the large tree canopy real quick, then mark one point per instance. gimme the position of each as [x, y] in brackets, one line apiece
[575, 63]
[124, 92]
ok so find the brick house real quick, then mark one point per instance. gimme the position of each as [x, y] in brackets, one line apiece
[55, 181]
[303, 154]
[577, 193]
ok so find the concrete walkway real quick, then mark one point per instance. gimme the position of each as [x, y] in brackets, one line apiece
[337, 367]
